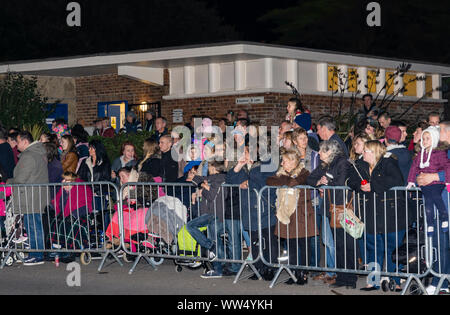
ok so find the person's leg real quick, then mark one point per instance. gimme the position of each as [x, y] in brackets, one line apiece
[33, 225]
[371, 254]
[394, 241]
[193, 227]
[433, 197]
[234, 248]
[216, 229]
[328, 240]
[442, 265]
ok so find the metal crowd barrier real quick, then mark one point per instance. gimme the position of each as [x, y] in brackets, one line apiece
[154, 226]
[392, 246]
[438, 253]
[44, 221]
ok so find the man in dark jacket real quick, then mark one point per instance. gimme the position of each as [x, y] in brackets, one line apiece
[326, 130]
[160, 129]
[169, 166]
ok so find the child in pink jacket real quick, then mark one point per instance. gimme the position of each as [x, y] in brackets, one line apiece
[431, 160]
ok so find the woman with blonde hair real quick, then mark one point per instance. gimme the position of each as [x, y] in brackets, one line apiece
[151, 163]
[383, 211]
[295, 214]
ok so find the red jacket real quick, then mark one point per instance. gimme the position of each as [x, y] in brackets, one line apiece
[79, 196]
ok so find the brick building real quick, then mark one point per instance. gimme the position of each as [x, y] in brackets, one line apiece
[212, 79]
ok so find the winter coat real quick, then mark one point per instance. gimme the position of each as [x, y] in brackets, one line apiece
[55, 172]
[101, 172]
[370, 206]
[249, 199]
[169, 168]
[133, 128]
[339, 169]
[7, 161]
[5, 191]
[212, 200]
[79, 197]
[302, 221]
[402, 155]
[32, 168]
[438, 163]
[152, 166]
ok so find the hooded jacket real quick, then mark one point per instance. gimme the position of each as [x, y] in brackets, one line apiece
[434, 161]
[32, 168]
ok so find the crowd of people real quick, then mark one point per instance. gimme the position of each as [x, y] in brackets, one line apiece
[372, 158]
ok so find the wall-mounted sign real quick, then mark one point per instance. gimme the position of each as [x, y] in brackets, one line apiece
[177, 115]
[250, 100]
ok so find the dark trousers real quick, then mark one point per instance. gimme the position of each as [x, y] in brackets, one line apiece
[297, 249]
[269, 246]
[433, 197]
[346, 256]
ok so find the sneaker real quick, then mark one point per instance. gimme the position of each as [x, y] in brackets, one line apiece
[211, 275]
[211, 253]
[33, 262]
[445, 226]
[284, 257]
[249, 257]
[431, 290]
[23, 239]
[430, 231]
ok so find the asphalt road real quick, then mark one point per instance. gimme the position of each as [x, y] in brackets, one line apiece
[48, 280]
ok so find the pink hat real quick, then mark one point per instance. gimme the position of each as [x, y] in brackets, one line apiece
[393, 133]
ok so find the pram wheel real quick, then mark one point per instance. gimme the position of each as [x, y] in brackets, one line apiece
[385, 285]
[9, 262]
[178, 269]
[85, 258]
[157, 261]
[414, 289]
[19, 256]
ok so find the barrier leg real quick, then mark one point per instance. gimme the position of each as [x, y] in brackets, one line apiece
[5, 260]
[277, 275]
[241, 271]
[106, 256]
[441, 283]
[409, 282]
[138, 259]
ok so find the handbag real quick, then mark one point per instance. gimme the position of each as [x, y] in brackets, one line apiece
[343, 217]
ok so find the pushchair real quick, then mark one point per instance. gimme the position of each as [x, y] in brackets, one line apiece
[187, 246]
[15, 237]
[74, 233]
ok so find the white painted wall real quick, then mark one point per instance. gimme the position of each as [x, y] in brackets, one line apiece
[266, 74]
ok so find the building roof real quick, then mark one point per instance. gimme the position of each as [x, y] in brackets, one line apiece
[107, 63]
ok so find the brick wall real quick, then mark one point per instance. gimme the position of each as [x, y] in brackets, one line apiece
[274, 110]
[106, 88]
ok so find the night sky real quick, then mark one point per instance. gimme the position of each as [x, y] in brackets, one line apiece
[414, 29]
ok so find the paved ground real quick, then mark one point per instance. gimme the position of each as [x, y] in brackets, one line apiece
[47, 279]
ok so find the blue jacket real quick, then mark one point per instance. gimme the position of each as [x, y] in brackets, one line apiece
[249, 199]
[404, 159]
